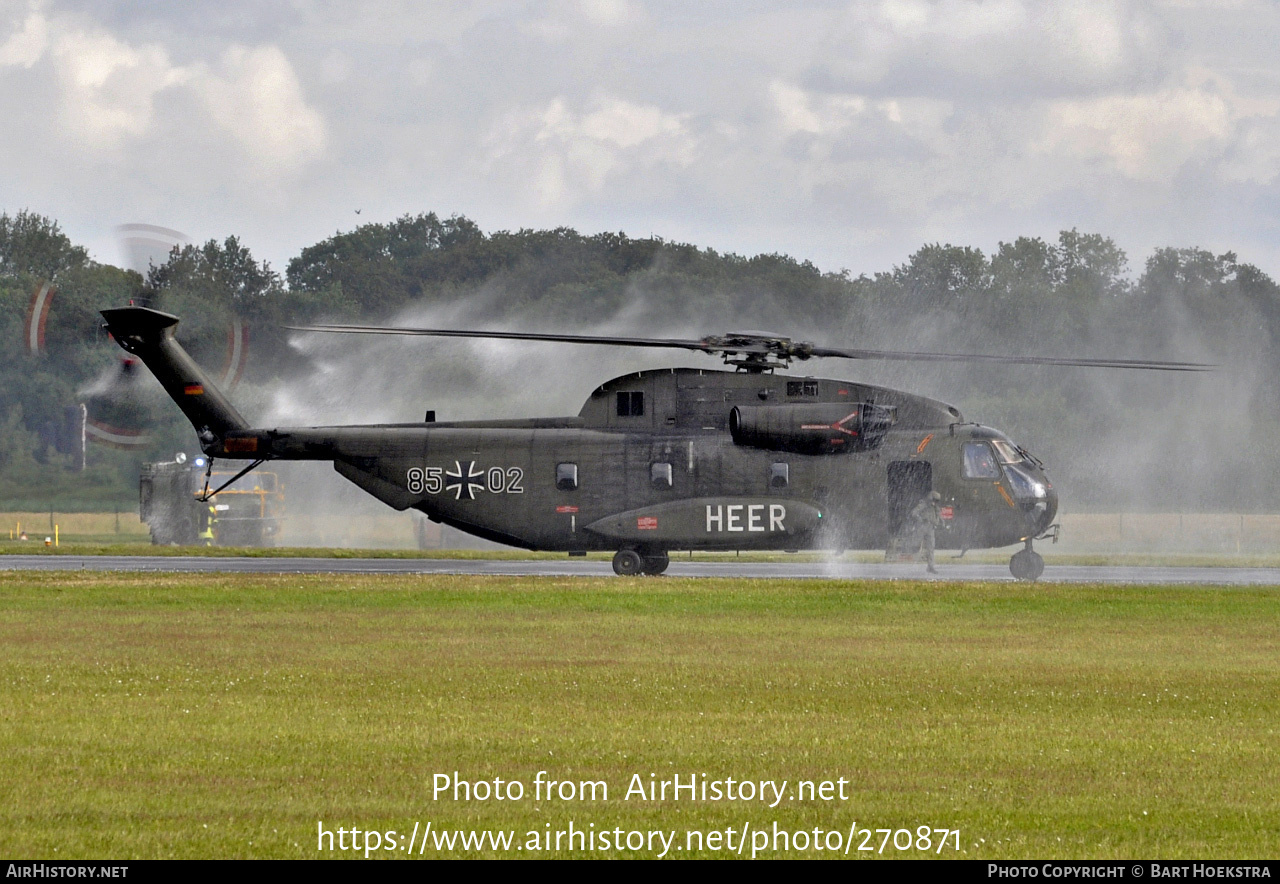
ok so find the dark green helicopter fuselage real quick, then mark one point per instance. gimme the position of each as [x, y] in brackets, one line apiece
[670, 459]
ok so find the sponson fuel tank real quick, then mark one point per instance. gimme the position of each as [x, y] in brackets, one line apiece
[812, 428]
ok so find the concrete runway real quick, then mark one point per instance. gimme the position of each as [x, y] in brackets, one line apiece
[1126, 574]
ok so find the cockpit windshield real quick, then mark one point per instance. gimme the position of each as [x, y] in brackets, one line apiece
[1025, 485]
[1006, 452]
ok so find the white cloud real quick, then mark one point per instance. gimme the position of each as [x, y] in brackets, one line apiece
[848, 134]
[254, 94]
[1151, 136]
[612, 13]
[1255, 156]
[619, 123]
[108, 89]
[1146, 137]
[995, 47]
[564, 21]
[25, 45]
[801, 111]
[572, 153]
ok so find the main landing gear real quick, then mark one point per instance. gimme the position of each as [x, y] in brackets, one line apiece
[629, 562]
[1026, 564]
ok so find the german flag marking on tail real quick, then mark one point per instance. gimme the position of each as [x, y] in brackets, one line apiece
[194, 389]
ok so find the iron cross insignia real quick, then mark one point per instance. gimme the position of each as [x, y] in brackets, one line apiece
[464, 483]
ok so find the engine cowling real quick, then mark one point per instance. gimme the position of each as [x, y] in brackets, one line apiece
[819, 428]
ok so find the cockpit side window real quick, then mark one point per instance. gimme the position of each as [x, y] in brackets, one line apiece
[980, 461]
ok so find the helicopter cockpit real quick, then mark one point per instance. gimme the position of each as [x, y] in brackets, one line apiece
[1029, 484]
[1023, 474]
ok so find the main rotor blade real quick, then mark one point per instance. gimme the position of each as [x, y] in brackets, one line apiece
[1147, 364]
[749, 344]
[617, 341]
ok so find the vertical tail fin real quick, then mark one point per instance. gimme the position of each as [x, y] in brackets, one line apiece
[148, 334]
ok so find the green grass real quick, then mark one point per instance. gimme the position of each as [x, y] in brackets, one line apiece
[223, 716]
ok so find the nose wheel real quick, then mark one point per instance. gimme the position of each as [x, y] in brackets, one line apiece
[1026, 564]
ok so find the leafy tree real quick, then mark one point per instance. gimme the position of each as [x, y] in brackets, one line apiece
[378, 267]
[938, 274]
[223, 276]
[1091, 263]
[1069, 296]
[34, 245]
[210, 286]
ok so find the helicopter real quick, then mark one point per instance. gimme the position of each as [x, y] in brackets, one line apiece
[738, 458]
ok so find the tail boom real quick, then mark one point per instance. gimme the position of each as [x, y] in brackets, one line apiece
[148, 334]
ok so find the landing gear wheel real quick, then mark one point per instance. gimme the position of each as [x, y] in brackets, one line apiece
[627, 563]
[1026, 565]
[656, 563]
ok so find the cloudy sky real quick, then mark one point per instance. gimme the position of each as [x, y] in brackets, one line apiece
[848, 133]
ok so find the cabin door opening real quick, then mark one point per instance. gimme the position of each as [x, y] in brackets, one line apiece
[908, 482]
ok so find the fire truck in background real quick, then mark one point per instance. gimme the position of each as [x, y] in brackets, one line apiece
[246, 514]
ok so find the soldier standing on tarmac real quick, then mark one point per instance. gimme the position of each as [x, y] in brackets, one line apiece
[925, 520]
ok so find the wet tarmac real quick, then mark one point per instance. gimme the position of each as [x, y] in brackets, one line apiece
[1105, 574]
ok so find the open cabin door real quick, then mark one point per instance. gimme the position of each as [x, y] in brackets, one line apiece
[908, 482]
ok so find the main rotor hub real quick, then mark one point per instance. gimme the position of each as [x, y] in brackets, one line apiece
[757, 352]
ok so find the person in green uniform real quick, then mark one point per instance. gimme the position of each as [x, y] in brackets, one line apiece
[924, 522]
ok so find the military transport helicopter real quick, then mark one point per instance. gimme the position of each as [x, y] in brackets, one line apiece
[669, 459]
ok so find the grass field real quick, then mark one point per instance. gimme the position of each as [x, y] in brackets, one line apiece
[224, 716]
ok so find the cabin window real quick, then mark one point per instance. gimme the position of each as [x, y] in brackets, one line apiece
[802, 388]
[980, 461]
[660, 475]
[631, 404]
[566, 476]
[779, 475]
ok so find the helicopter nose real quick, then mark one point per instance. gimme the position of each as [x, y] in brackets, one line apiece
[1044, 510]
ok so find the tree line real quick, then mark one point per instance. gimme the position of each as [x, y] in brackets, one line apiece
[1073, 296]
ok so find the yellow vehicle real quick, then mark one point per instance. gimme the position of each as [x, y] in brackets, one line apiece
[245, 515]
